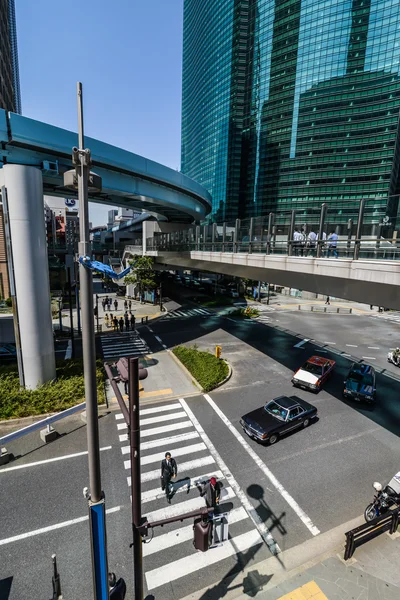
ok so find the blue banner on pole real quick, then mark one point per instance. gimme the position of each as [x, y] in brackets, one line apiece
[97, 520]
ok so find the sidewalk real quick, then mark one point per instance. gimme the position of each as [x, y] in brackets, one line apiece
[283, 302]
[315, 570]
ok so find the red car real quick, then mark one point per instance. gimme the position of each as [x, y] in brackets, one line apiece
[313, 374]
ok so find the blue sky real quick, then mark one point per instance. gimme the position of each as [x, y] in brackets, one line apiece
[128, 55]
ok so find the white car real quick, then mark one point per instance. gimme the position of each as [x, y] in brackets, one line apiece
[314, 373]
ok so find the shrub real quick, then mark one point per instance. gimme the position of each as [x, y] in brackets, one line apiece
[248, 311]
[66, 391]
[8, 302]
[208, 370]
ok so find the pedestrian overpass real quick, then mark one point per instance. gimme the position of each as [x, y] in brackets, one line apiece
[367, 268]
[34, 158]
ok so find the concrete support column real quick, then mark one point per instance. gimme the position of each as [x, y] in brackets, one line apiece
[24, 187]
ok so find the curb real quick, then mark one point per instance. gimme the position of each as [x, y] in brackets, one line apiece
[185, 370]
[278, 569]
[25, 421]
[197, 384]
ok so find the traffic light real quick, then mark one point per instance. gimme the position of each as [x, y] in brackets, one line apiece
[218, 350]
[202, 534]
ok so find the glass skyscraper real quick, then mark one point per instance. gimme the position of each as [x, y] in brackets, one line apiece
[10, 95]
[291, 103]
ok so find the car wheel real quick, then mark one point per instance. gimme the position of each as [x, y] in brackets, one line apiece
[274, 438]
[306, 423]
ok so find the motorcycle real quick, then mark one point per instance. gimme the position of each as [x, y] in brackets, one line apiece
[392, 360]
[385, 498]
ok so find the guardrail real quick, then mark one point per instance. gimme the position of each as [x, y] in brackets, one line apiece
[358, 536]
[325, 309]
[10, 437]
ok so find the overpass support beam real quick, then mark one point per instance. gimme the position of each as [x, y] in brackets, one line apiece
[360, 220]
[320, 242]
[24, 187]
[291, 232]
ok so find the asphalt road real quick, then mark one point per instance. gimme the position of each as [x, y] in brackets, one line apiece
[312, 480]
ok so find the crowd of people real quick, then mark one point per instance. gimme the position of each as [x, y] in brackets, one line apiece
[305, 244]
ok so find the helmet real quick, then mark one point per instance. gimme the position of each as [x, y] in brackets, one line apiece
[377, 486]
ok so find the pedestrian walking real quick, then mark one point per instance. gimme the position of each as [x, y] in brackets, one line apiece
[130, 304]
[211, 492]
[133, 322]
[116, 304]
[95, 311]
[109, 304]
[332, 246]
[126, 305]
[328, 300]
[297, 242]
[311, 242]
[169, 470]
[126, 319]
[103, 303]
[106, 320]
[115, 323]
[107, 301]
[323, 242]
[121, 324]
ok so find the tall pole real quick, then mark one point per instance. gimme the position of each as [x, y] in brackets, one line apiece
[135, 475]
[81, 158]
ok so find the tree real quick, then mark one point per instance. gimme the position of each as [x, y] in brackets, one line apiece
[142, 273]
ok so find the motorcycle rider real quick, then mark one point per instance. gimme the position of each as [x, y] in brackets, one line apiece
[396, 355]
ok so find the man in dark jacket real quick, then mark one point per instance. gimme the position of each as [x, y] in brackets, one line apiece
[211, 491]
[169, 469]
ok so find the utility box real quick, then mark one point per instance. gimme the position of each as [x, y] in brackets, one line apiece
[218, 350]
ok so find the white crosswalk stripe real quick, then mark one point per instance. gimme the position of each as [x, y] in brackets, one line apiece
[187, 313]
[197, 463]
[392, 317]
[128, 343]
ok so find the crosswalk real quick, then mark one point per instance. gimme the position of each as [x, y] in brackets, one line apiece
[392, 317]
[170, 556]
[127, 343]
[187, 313]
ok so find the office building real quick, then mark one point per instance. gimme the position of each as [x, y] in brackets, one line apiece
[288, 104]
[10, 94]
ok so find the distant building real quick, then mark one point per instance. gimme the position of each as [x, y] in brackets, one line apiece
[289, 104]
[10, 94]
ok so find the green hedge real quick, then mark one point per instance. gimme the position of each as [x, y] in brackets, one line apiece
[66, 391]
[249, 311]
[208, 370]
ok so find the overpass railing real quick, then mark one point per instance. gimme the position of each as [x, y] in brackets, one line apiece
[372, 235]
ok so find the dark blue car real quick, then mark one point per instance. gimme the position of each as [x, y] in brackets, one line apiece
[360, 384]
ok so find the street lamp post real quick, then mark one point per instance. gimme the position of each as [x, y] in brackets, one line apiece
[79, 177]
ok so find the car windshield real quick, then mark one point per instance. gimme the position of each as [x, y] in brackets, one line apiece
[276, 410]
[366, 379]
[312, 368]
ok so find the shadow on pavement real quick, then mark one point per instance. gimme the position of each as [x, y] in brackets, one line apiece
[265, 513]
[5, 588]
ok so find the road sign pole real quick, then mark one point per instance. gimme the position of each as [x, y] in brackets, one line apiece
[134, 439]
[81, 158]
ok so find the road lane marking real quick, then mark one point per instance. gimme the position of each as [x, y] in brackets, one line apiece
[300, 344]
[320, 350]
[164, 428]
[180, 485]
[158, 409]
[325, 445]
[147, 460]
[187, 466]
[160, 443]
[201, 560]
[181, 508]
[351, 346]
[184, 534]
[162, 418]
[158, 339]
[251, 511]
[50, 460]
[373, 347]
[119, 416]
[343, 354]
[68, 352]
[330, 343]
[285, 494]
[28, 534]
[369, 357]
[233, 320]
[155, 393]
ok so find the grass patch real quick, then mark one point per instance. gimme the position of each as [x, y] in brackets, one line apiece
[249, 311]
[56, 396]
[208, 370]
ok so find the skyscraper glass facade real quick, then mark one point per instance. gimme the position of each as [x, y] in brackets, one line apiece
[291, 103]
[10, 95]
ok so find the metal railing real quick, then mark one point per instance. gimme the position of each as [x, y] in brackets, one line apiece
[371, 236]
[355, 537]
